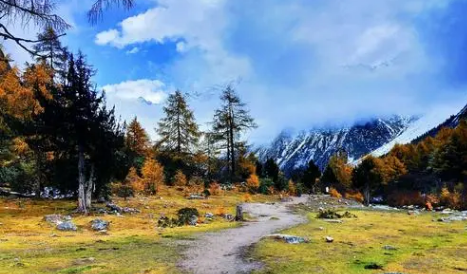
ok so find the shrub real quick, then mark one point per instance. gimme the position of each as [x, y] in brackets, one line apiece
[406, 198]
[444, 196]
[215, 189]
[186, 214]
[356, 196]
[253, 183]
[331, 214]
[180, 178]
[122, 190]
[291, 188]
[247, 198]
[220, 211]
[334, 193]
[266, 186]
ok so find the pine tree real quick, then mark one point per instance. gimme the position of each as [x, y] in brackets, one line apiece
[230, 121]
[271, 170]
[49, 50]
[310, 175]
[178, 129]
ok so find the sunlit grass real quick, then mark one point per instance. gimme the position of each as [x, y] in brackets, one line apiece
[423, 246]
[134, 243]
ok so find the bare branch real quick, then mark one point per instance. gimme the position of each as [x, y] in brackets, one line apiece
[95, 13]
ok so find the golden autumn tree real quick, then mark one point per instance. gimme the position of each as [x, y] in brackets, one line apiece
[253, 182]
[137, 139]
[152, 176]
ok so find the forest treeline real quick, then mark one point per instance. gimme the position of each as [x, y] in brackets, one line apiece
[56, 131]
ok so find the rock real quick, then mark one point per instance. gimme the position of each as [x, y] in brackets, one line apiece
[99, 225]
[193, 220]
[413, 212]
[209, 215]
[117, 209]
[333, 221]
[229, 217]
[321, 228]
[286, 199]
[389, 247]
[196, 197]
[67, 226]
[329, 239]
[290, 239]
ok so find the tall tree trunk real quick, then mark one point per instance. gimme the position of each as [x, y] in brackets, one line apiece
[366, 192]
[81, 181]
[232, 144]
[90, 188]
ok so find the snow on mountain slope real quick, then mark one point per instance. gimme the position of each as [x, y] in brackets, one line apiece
[420, 127]
[292, 151]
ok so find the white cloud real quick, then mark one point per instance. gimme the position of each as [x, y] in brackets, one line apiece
[316, 61]
[150, 90]
[133, 50]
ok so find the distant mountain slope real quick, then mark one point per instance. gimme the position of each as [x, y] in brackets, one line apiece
[295, 151]
[428, 125]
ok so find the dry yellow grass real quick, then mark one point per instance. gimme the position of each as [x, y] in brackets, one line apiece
[134, 243]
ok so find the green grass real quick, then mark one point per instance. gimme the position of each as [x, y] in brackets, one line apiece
[134, 243]
[423, 246]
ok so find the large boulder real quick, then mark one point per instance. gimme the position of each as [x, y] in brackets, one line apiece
[99, 225]
[67, 226]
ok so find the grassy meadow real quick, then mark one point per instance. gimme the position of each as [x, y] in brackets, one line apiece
[415, 244]
[133, 244]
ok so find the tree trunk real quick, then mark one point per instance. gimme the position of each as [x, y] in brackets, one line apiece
[232, 146]
[90, 188]
[366, 192]
[239, 213]
[81, 181]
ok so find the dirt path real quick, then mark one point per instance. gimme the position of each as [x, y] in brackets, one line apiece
[221, 252]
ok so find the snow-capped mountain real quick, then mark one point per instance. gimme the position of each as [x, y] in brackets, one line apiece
[292, 151]
[428, 125]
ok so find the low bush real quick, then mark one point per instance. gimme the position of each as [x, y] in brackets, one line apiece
[356, 196]
[334, 193]
[186, 214]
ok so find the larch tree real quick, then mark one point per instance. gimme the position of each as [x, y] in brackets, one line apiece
[137, 139]
[178, 130]
[230, 121]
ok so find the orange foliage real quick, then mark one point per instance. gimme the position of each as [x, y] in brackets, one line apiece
[252, 182]
[215, 189]
[180, 178]
[152, 177]
[247, 198]
[406, 198]
[356, 196]
[221, 211]
[334, 193]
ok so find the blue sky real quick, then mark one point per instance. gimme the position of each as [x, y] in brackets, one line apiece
[297, 63]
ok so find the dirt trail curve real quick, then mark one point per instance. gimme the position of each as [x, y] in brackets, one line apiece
[221, 252]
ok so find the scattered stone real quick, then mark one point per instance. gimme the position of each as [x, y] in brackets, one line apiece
[209, 215]
[332, 221]
[321, 228]
[193, 220]
[413, 212]
[117, 209]
[329, 239]
[229, 217]
[389, 247]
[67, 226]
[286, 199]
[196, 197]
[290, 239]
[99, 225]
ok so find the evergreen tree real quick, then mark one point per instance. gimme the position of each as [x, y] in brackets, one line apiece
[49, 50]
[178, 130]
[310, 175]
[271, 170]
[367, 176]
[230, 121]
